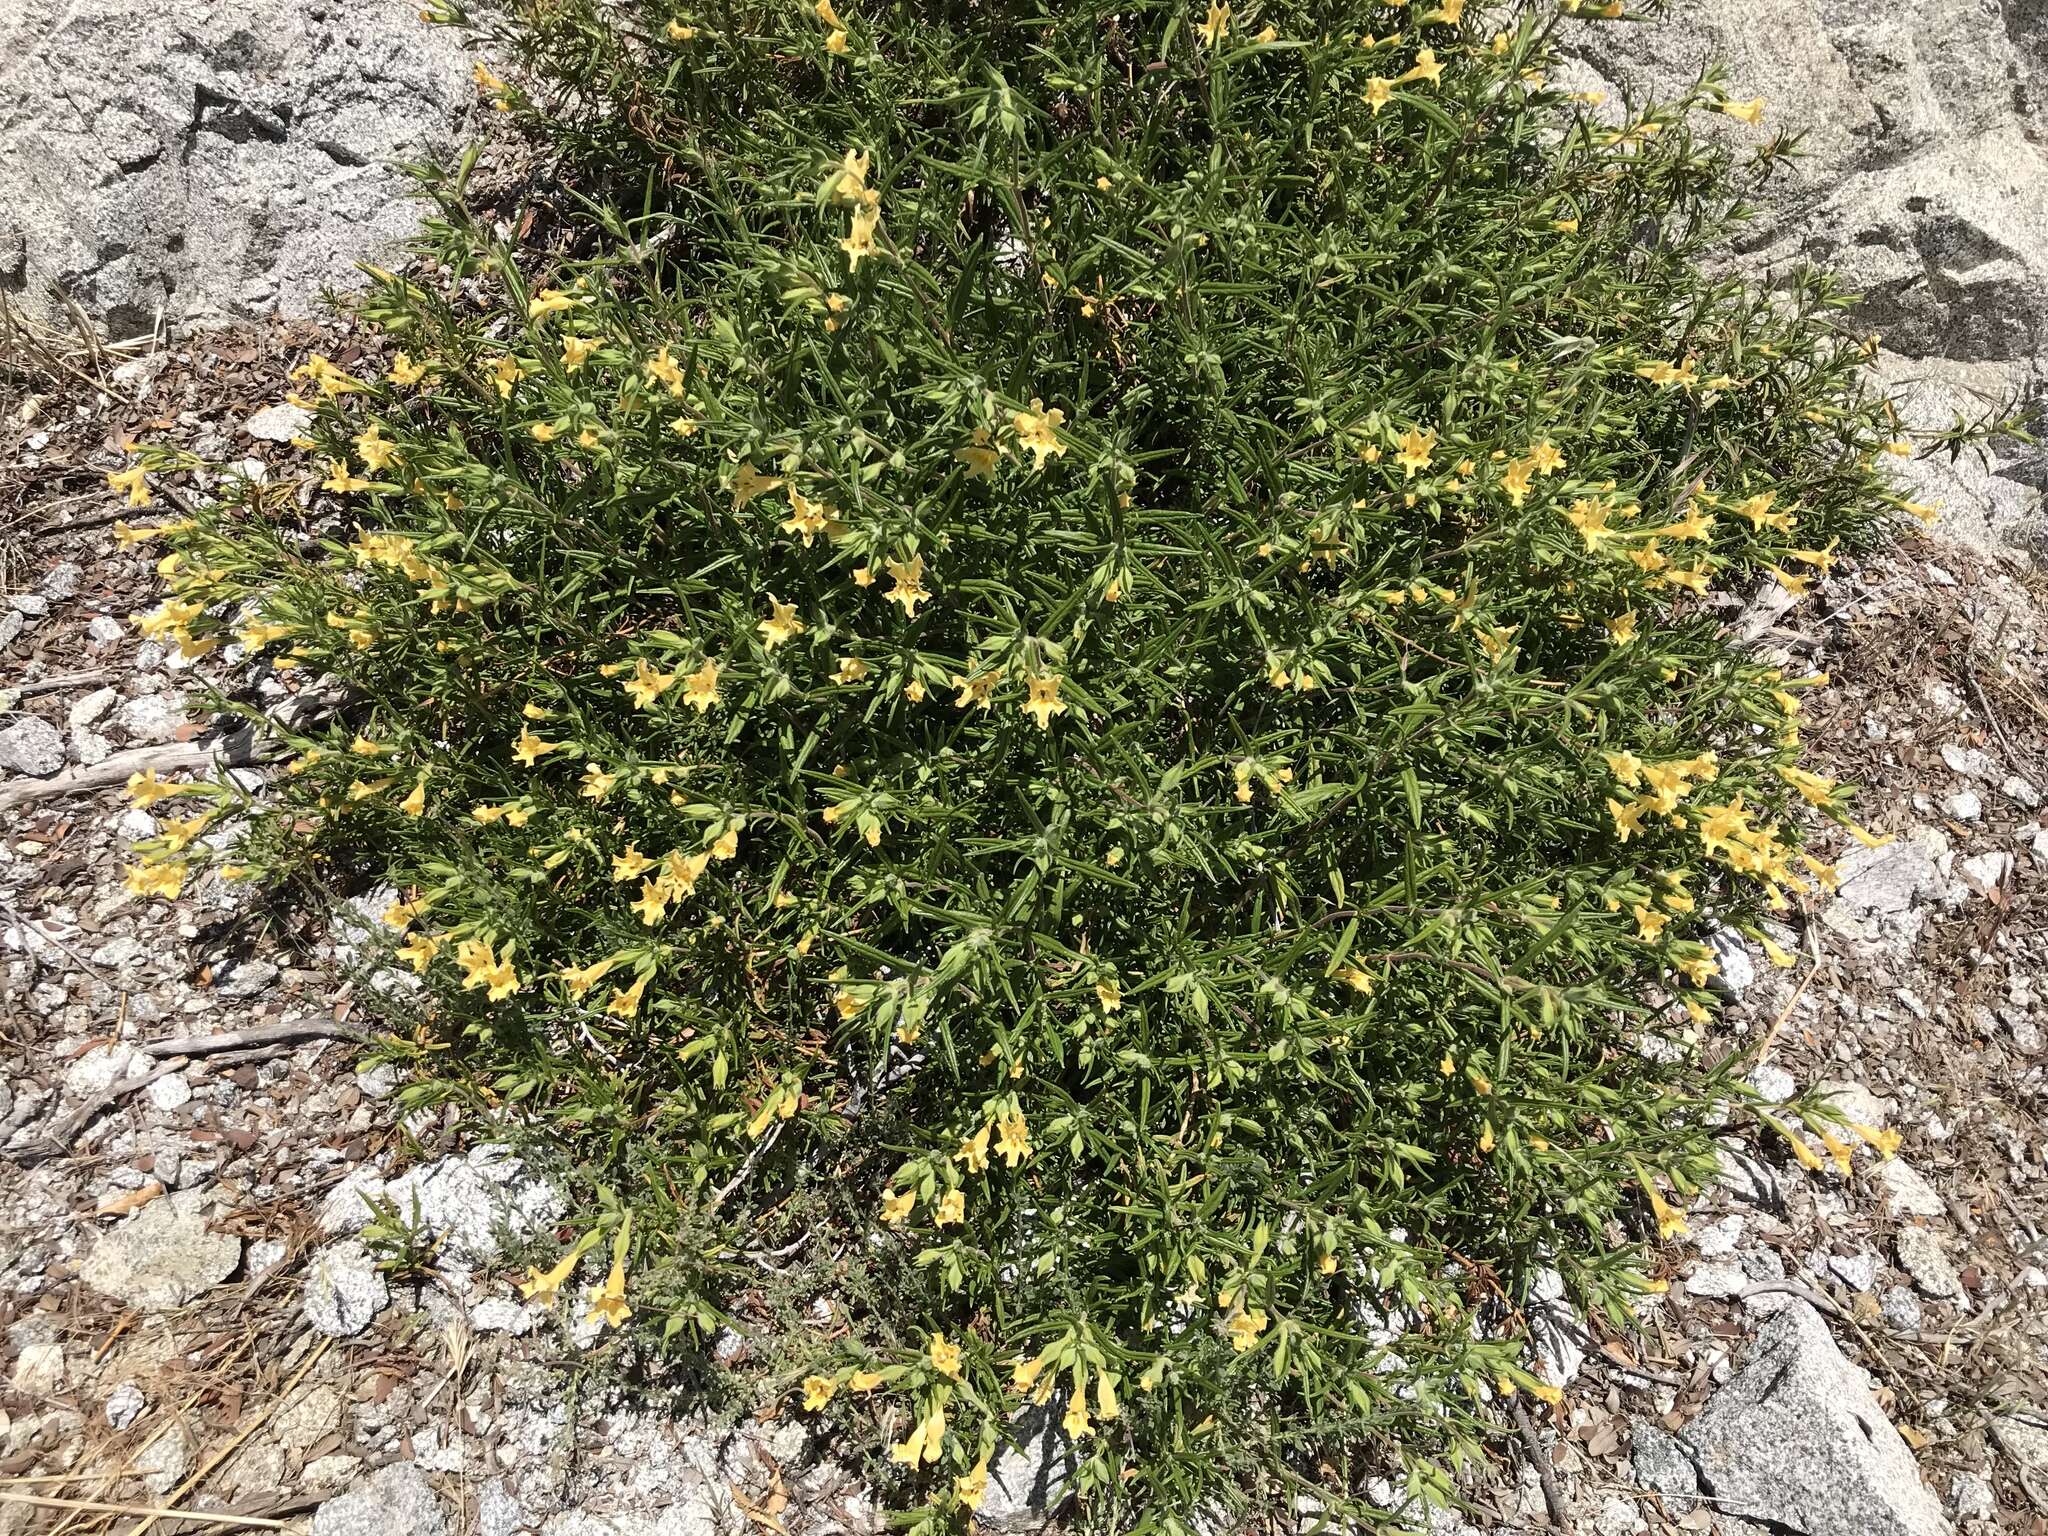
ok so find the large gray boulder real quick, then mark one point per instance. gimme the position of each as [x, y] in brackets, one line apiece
[1924, 184]
[211, 161]
[1796, 1443]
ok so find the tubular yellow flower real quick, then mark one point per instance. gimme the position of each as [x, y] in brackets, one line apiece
[781, 625]
[625, 1003]
[528, 749]
[1044, 700]
[909, 589]
[608, 1307]
[1038, 429]
[700, 688]
[132, 482]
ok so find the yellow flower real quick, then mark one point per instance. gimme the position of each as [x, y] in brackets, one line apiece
[625, 1001]
[1244, 1330]
[914, 691]
[1516, 481]
[781, 625]
[945, 1356]
[482, 968]
[974, 1151]
[374, 449]
[419, 950]
[663, 370]
[678, 33]
[980, 455]
[1628, 819]
[528, 749]
[952, 1209]
[1356, 980]
[896, 1208]
[608, 1307]
[851, 670]
[505, 373]
[1622, 629]
[1670, 1223]
[1044, 701]
[630, 865]
[1013, 1139]
[1378, 92]
[145, 788]
[1038, 428]
[653, 903]
[647, 684]
[1426, 68]
[864, 1381]
[1109, 995]
[1751, 111]
[404, 372]
[550, 301]
[582, 979]
[1417, 446]
[133, 482]
[1075, 1420]
[749, 483]
[544, 1287]
[1545, 459]
[836, 43]
[809, 518]
[1649, 924]
[164, 880]
[577, 350]
[1885, 1143]
[415, 804]
[1217, 27]
[340, 481]
[910, 588]
[818, 1392]
[971, 1487]
[978, 689]
[700, 688]
[860, 236]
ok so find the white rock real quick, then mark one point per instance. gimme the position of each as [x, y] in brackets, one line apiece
[1922, 1256]
[242, 169]
[170, 1092]
[32, 747]
[124, 1405]
[1795, 1440]
[162, 1257]
[92, 706]
[501, 1314]
[1907, 1192]
[105, 630]
[279, 423]
[38, 1369]
[1964, 805]
[394, 1500]
[1971, 762]
[344, 1290]
[150, 718]
[1987, 872]
[2021, 792]
[1717, 1281]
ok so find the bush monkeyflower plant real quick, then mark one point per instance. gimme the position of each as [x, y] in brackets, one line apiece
[1054, 673]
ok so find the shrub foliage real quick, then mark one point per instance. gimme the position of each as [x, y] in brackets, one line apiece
[1054, 675]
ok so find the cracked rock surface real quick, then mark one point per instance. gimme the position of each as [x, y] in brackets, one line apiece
[207, 160]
